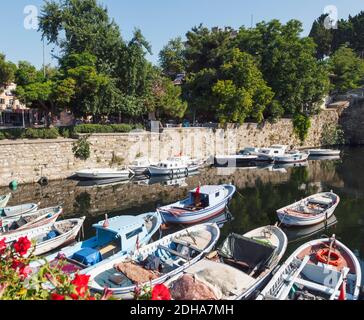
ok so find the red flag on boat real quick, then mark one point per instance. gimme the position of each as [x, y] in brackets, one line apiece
[198, 195]
[106, 222]
[342, 296]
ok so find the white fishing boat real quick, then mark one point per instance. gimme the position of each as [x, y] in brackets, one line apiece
[155, 263]
[108, 173]
[202, 203]
[292, 157]
[114, 237]
[173, 166]
[12, 226]
[48, 238]
[239, 268]
[324, 152]
[268, 154]
[323, 269]
[309, 211]
[16, 211]
[245, 156]
[4, 200]
[140, 166]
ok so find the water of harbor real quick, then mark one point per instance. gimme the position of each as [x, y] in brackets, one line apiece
[261, 191]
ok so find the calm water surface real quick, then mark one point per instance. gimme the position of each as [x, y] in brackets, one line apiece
[261, 191]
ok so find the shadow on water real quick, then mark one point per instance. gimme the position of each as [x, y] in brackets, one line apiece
[261, 191]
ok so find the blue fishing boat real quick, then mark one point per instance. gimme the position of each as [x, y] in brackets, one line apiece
[202, 204]
[114, 237]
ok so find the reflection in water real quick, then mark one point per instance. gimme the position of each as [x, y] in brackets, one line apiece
[299, 234]
[261, 192]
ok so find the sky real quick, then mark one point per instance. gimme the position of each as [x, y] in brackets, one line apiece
[161, 20]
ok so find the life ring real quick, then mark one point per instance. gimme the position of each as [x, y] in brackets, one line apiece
[323, 256]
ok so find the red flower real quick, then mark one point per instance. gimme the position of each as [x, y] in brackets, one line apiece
[81, 283]
[107, 294]
[91, 298]
[56, 296]
[22, 269]
[161, 292]
[2, 246]
[22, 246]
[74, 296]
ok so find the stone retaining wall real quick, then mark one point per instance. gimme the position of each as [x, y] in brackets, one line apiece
[28, 160]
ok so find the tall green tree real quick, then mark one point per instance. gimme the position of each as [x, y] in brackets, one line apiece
[347, 70]
[78, 26]
[172, 58]
[322, 34]
[7, 71]
[288, 64]
[241, 91]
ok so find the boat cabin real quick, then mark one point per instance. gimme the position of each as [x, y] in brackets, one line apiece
[275, 150]
[169, 164]
[249, 151]
[208, 196]
[122, 234]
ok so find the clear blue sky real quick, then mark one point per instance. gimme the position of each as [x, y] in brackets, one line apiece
[161, 20]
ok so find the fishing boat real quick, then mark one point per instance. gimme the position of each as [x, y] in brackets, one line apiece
[94, 174]
[155, 263]
[16, 211]
[323, 269]
[12, 226]
[309, 211]
[4, 200]
[324, 152]
[202, 204]
[268, 154]
[173, 166]
[114, 237]
[245, 156]
[140, 166]
[292, 157]
[240, 267]
[50, 237]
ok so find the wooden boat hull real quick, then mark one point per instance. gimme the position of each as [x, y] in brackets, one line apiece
[128, 292]
[4, 200]
[244, 285]
[303, 219]
[180, 170]
[46, 246]
[95, 175]
[301, 157]
[201, 215]
[46, 217]
[317, 276]
[17, 211]
[324, 153]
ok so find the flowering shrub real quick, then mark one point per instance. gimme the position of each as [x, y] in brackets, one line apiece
[20, 282]
[159, 292]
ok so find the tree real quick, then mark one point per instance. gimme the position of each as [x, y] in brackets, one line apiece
[172, 59]
[323, 36]
[242, 91]
[288, 64]
[7, 71]
[205, 53]
[78, 26]
[347, 69]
